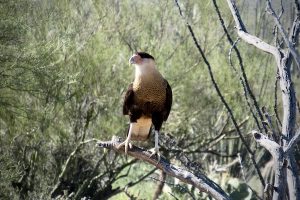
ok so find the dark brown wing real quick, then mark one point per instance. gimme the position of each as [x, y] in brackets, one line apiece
[168, 103]
[128, 100]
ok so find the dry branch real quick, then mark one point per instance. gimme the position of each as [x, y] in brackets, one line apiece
[292, 142]
[219, 93]
[243, 76]
[283, 33]
[283, 61]
[279, 164]
[202, 182]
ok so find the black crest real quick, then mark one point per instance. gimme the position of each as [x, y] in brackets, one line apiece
[145, 55]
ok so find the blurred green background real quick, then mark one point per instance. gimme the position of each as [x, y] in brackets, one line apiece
[63, 73]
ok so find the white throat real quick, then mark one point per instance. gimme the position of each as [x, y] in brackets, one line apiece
[144, 69]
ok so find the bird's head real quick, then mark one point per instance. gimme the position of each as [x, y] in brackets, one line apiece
[141, 59]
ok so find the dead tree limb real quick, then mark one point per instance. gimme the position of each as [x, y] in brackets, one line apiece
[280, 165]
[202, 182]
[292, 142]
[284, 34]
[280, 155]
[283, 61]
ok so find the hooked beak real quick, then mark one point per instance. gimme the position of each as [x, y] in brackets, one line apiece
[132, 59]
[135, 59]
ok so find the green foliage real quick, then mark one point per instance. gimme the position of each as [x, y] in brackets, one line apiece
[64, 69]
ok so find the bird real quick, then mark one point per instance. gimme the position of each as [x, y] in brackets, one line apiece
[147, 101]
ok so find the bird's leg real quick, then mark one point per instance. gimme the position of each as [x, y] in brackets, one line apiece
[127, 143]
[156, 147]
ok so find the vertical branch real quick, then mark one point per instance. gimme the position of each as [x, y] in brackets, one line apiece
[283, 61]
[244, 86]
[298, 105]
[244, 79]
[222, 97]
[279, 164]
[283, 34]
[275, 99]
[160, 185]
[293, 37]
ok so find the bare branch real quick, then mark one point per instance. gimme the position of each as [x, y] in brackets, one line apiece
[284, 34]
[250, 39]
[292, 142]
[279, 164]
[264, 141]
[202, 182]
[243, 77]
[293, 37]
[160, 185]
[224, 168]
[223, 100]
[288, 93]
[275, 98]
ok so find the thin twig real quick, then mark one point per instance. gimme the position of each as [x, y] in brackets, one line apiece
[182, 189]
[66, 166]
[298, 106]
[221, 96]
[243, 84]
[242, 168]
[247, 88]
[284, 34]
[269, 122]
[160, 185]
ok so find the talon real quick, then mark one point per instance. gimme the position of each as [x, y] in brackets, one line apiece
[156, 151]
[126, 144]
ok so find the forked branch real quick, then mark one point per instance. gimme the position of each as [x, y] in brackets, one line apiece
[284, 175]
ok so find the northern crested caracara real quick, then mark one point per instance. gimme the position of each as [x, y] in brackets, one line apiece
[148, 101]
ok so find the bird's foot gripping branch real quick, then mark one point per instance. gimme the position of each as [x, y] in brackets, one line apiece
[202, 182]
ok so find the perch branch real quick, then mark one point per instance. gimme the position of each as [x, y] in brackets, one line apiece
[203, 183]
